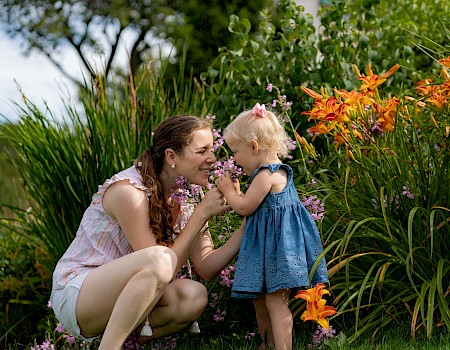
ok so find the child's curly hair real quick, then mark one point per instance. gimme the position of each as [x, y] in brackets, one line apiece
[264, 127]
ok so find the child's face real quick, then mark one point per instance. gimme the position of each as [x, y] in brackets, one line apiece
[244, 156]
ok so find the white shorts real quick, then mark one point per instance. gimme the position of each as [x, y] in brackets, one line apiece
[64, 302]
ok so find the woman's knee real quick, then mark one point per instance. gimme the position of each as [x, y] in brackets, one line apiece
[192, 300]
[160, 262]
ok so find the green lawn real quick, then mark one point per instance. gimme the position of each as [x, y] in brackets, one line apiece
[396, 338]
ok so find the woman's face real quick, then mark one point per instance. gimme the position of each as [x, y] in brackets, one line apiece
[197, 158]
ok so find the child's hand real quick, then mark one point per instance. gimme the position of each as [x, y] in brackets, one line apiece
[225, 183]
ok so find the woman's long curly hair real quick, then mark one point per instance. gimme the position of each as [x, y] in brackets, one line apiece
[174, 133]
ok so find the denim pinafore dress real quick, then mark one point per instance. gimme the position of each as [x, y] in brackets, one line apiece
[280, 244]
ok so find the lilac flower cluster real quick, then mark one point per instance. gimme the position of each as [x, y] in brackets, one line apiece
[218, 316]
[222, 166]
[249, 335]
[291, 145]
[218, 139]
[131, 343]
[226, 276]
[315, 207]
[320, 335]
[188, 271]
[282, 99]
[167, 343]
[49, 343]
[46, 345]
[186, 192]
[394, 200]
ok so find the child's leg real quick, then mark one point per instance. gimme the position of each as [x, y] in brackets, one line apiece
[277, 304]
[263, 320]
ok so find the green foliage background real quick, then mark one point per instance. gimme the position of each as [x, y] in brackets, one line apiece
[385, 266]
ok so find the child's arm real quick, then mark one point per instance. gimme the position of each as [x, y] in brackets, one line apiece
[246, 204]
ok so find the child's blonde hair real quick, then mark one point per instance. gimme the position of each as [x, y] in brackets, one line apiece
[263, 127]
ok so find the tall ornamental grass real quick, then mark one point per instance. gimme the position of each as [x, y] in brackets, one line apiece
[385, 184]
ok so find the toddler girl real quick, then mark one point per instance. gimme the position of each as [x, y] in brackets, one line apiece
[281, 241]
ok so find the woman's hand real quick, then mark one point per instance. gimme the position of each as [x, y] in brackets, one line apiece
[213, 203]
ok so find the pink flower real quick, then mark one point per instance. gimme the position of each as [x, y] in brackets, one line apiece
[59, 328]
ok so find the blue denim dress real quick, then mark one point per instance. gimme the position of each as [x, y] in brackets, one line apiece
[281, 242]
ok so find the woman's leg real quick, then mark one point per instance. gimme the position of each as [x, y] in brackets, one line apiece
[277, 304]
[116, 297]
[182, 302]
[263, 320]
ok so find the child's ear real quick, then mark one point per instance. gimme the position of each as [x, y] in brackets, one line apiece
[255, 146]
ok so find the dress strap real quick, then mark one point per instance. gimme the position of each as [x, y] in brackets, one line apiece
[273, 168]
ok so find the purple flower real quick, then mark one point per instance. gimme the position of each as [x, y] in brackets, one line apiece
[69, 339]
[59, 328]
[226, 277]
[218, 139]
[407, 193]
[167, 343]
[185, 192]
[219, 316]
[315, 207]
[269, 87]
[320, 335]
[249, 336]
[222, 166]
[376, 129]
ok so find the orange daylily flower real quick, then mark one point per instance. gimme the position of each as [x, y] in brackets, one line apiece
[437, 99]
[312, 294]
[329, 109]
[312, 93]
[353, 97]
[445, 62]
[387, 114]
[318, 129]
[371, 81]
[317, 311]
[425, 87]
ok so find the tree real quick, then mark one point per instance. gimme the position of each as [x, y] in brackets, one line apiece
[96, 28]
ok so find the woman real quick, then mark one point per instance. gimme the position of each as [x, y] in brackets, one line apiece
[120, 269]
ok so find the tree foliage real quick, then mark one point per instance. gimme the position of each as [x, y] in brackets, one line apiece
[96, 28]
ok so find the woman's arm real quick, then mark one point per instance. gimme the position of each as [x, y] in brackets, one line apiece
[208, 261]
[129, 206]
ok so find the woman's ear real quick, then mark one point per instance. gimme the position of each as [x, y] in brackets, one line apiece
[169, 156]
[255, 146]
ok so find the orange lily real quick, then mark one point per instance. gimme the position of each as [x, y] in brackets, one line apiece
[437, 99]
[425, 87]
[318, 129]
[371, 81]
[312, 93]
[445, 62]
[312, 294]
[317, 311]
[387, 114]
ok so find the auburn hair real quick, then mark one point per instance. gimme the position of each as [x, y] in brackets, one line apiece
[174, 133]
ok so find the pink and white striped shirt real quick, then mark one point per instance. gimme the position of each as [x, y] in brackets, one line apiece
[99, 238]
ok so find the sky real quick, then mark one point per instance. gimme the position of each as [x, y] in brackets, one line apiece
[39, 80]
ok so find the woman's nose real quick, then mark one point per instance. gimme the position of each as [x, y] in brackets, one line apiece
[212, 158]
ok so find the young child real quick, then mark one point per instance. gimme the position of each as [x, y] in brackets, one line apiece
[281, 241]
